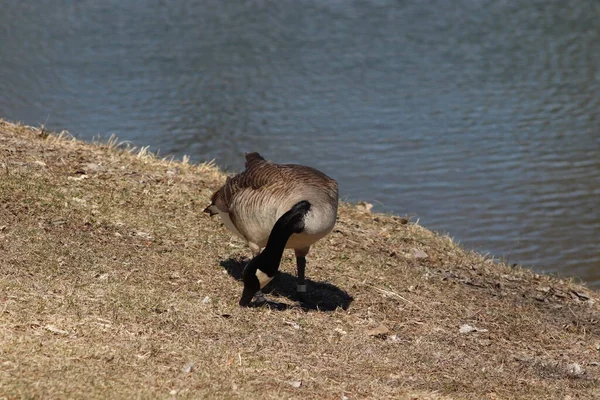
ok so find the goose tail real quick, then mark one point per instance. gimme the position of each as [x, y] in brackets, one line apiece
[252, 158]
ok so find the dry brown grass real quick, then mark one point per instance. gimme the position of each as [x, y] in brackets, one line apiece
[114, 284]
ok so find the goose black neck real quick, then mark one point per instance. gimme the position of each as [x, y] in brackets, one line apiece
[289, 223]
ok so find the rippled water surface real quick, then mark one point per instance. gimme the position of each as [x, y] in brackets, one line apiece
[479, 117]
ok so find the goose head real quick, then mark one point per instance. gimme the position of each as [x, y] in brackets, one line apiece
[255, 278]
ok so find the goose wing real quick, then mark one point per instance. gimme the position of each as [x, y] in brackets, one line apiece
[253, 177]
[264, 176]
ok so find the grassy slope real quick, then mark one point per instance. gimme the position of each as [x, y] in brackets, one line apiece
[112, 281]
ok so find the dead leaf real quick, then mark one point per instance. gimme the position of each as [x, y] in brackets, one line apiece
[575, 369]
[466, 328]
[380, 331]
[419, 254]
[580, 295]
[144, 235]
[93, 167]
[172, 172]
[363, 205]
[340, 331]
[402, 220]
[78, 178]
[295, 384]
[56, 330]
[102, 276]
[393, 338]
[187, 368]
[292, 324]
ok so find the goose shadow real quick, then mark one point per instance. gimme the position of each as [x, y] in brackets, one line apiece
[319, 296]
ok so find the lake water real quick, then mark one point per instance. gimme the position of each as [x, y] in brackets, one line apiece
[480, 117]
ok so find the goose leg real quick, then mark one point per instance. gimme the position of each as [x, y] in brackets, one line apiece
[301, 265]
[259, 297]
[254, 248]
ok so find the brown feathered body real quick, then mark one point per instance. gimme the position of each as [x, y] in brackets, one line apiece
[251, 202]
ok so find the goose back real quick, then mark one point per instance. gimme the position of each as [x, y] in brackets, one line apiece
[255, 199]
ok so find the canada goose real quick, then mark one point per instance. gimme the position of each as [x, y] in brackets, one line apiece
[278, 206]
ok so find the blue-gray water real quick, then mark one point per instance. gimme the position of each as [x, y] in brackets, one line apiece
[480, 117]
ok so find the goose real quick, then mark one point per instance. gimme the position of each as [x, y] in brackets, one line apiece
[275, 206]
